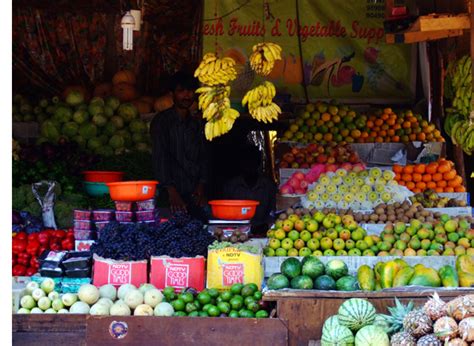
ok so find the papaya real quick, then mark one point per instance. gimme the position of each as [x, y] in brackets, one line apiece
[388, 273]
[403, 277]
[425, 277]
[449, 276]
[466, 279]
[401, 263]
[366, 278]
[378, 286]
[419, 266]
[378, 270]
[465, 263]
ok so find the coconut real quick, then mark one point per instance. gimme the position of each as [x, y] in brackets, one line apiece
[466, 329]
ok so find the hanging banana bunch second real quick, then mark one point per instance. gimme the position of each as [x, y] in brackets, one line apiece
[264, 56]
[260, 102]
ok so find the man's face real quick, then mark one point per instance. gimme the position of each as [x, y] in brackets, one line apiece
[183, 98]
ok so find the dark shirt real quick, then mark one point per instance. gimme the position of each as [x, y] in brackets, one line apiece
[263, 191]
[179, 151]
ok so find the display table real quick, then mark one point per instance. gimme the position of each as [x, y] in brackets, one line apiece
[306, 310]
[144, 330]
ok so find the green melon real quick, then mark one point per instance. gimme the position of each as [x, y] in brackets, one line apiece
[356, 313]
[291, 267]
[312, 267]
[347, 283]
[330, 323]
[336, 269]
[339, 335]
[371, 336]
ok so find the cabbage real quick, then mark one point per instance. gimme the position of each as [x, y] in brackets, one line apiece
[27, 302]
[74, 98]
[44, 303]
[137, 126]
[70, 129]
[117, 142]
[138, 138]
[80, 141]
[79, 308]
[80, 116]
[47, 285]
[99, 119]
[117, 121]
[108, 111]
[108, 291]
[164, 309]
[100, 309]
[106, 301]
[146, 287]
[127, 137]
[88, 131]
[103, 139]
[88, 293]
[109, 129]
[50, 311]
[142, 147]
[128, 112]
[112, 102]
[94, 143]
[153, 297]
[53, 295]
[69, 299]
[97, 101]
[36, 311]
[105, 151]
[63, 311]
[123, 290]
[38, 293]
[143, 310]
[50, 131]
[57, 304]
[133, 298]
[62, 114]
[23, 311]
[31, 286]
[120, 309]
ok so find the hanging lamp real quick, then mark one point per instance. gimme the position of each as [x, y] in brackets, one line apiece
[128, 24]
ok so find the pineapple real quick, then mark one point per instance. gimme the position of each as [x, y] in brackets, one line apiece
[429, 340]
[417, 323]
[456, 342]
[445, 328]
[466, 329]
[397, 314]
[461, 307]
[435, 308]
[402, 339]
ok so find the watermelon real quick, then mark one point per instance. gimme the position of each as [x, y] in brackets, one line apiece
[312, 267]
[336, 269]
[277, 281]
[347, 283]
[291, 267]
[381, 321]
[331, 323]
[371, 336]
[356, 313]
[339, 335]
[302, 282]
[325, 283]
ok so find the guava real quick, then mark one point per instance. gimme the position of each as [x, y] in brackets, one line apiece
[109, 129]
[70, 129]
[79, 308]
[88, 294]
[62, 114]
[133, 298]
[80, 116]
[49, 131]
[120, 309]
[137, 126]
[88, 131]
[112, 102]
[127, 111]
[164, 309]
[143, 310]
[117, 121]
[108, 291]
[100, 120]
[100, 309]
[153, 297]
[116, 142]
[74, 98]
[95, 109]
[94, 143]
[123, 290]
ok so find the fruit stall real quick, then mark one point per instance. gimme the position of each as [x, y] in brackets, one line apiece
[364, 125]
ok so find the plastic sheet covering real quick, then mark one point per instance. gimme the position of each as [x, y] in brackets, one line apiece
[46, 202]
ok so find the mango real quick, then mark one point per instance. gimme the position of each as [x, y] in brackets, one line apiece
[403, 277]
[466, 279]
[388, 273]
[378, 270]
[425, 277]
[449, 276]
[366, 278]
[465, 263]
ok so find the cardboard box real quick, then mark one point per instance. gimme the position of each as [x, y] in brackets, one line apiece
[178, 272]
[230, 265]
[108, 271]
[84, 245]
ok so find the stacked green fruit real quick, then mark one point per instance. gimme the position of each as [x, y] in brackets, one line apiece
[320, 234]
[449, 237]
[25, 110]
[240, 301]
[311, 273]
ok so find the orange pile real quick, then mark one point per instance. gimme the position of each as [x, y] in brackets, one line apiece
[440, 176]
[386, 126]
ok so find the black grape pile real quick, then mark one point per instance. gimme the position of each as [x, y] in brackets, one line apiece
[180, 236]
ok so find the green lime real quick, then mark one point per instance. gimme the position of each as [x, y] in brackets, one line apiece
[203, 314]
[237, 302]
[261, 314]
[168, 290]
[226, 296]
[193, 314]
[247, 291]
[257, 295]
[236, 288]
[219, 299]
[213, 311]
[234, 314]
[180, 313]
[253, 286]
[186, 297]
[206, 307]
[204, 298]
[213, 292]
[170, 297]
[254, 307]
[246, 313]
[248, 300]
[178, 305]
[224, 307]
[198, 305]
[190, 307]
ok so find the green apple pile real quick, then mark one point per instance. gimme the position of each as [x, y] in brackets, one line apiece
[319, 234]
[448, 237]
[356, 190]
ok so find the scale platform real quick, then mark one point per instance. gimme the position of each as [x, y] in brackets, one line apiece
[228, 227]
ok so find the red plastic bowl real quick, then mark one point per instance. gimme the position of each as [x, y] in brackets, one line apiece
[233, 209]
[103, 176]
[132, 191]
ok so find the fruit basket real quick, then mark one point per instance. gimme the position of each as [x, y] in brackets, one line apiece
[96, 189]
[233, 209]
[103, 176]
[131, 191]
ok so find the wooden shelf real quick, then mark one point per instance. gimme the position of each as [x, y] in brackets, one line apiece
[432, 27]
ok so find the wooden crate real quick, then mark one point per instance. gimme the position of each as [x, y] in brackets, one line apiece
[146, 330]
[306, 311]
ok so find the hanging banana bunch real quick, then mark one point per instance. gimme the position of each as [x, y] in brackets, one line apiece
[263, 57]
[260, 102]
[459, 87]
[215, 71]
[462, 134]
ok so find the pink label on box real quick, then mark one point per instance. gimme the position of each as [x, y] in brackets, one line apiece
[232, 274]
[120, 274]
[177, 275]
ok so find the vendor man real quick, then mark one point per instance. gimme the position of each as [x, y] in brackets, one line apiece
[179, 153]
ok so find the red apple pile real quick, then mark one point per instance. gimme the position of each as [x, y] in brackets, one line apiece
[307, 157]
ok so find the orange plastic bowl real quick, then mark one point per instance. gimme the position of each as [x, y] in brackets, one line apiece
[132, 191]
[233, 209]
[103, 176]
